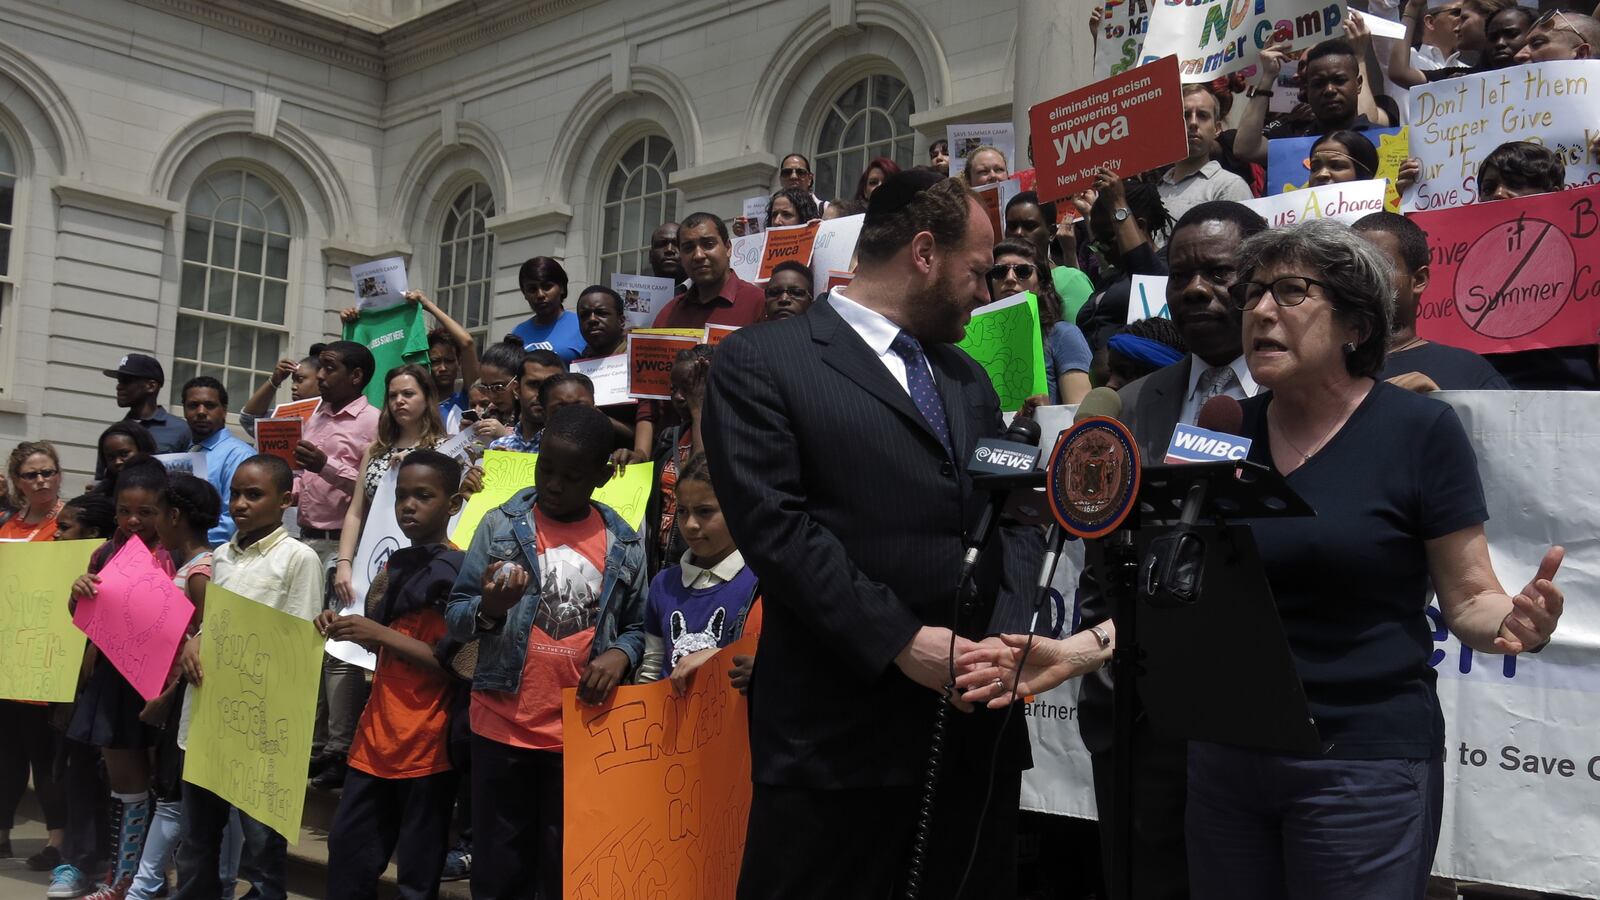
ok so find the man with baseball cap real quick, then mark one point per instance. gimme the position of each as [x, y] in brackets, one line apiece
[139, 381]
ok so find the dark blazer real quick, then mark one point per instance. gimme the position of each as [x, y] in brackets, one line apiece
[846, 505]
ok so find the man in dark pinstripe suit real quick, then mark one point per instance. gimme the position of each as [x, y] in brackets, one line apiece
[837, 443]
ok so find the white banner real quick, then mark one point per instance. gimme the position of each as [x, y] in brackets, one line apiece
[1522, 756]
[380, 536]
[1147, 298]
[1213, 38]
[834, 249]
[1340, 202]
[1122, 28]
[1457, 122]
[745, 256]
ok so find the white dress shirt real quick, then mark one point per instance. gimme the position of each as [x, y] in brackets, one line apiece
[877, 331]
[1240, 387]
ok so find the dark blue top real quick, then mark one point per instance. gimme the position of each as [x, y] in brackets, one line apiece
[1351, 583]
[1451, 368]
[688, 620]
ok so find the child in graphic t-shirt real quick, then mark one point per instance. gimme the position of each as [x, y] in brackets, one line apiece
[553, 589]
[707, 601]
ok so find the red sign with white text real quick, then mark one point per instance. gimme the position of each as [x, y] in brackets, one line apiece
[1130, 123]
[1519, 274]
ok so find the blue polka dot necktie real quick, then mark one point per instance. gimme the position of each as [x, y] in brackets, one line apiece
[924, 393]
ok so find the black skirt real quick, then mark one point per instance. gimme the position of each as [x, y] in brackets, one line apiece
[107, 712]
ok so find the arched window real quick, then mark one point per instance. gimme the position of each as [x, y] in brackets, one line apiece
[8, 193]
[466, 261]
[637, 200]
[870, 118]
[235, 290]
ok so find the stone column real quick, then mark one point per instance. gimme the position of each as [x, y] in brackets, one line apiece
[1054, 55]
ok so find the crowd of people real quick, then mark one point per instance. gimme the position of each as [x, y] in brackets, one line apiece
[448, 755]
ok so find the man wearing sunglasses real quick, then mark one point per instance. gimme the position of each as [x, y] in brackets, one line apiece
[1561, 35]
[139, 382]
[795, 174]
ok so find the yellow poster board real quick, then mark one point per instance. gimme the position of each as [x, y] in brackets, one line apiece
[254, 709]
[41, 650]
[505, 472]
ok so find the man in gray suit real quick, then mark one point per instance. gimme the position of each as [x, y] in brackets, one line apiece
[1201, 256]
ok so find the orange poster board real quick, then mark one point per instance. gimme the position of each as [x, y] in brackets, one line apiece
[299, 409]
[837, 279]
[650, 359]
[788, 244]
[279, 437]
[658, 788]
[715, 333]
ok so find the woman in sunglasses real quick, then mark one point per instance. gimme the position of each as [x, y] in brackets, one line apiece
[1067, 357]
[1399, 505]
[35, 475]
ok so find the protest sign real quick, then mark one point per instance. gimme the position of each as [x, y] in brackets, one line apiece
[192, 462]
[1457, 122]
[380, 284]
[964, 139]
[1213, 38]
[715, 333]
[1004, 338]
[1122, 27]
[993, 198]
[1345, 203]
[755, 214]
[791, 243]
[834, 250]
[136, 617]
[643, 297]
[44, 650]
[1520, 751]
[650, 356]
[279, 437]
[745, 255]
[657, 788]
[1147, 298]
[1289, 162]
[254, 709]
[1131, 122]
[395, 336]
[838, 279]
[610, 377]
[298, 409]
[505, 472]
[380, 537]
[1515, 275]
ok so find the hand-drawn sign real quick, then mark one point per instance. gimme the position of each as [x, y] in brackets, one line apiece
[1516, 277]
[1515, 274]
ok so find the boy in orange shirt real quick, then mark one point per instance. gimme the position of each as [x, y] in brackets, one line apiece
[401, 787]
[553, 589]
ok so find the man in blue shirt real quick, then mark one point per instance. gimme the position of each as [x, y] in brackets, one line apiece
[205, 406]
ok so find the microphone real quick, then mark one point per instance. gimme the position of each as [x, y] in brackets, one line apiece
[1213, 437]
[1174, 570]
[1102, 401]
[1015, 453]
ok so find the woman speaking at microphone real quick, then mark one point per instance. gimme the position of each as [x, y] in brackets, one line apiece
[1395, 486]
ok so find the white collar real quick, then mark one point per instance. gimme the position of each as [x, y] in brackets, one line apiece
[874, 327]
[724, 571]
[1198, 367]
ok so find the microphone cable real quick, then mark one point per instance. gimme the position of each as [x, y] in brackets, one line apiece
[930, 778]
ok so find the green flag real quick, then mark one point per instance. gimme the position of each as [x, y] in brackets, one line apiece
[1004, 338]
[396, 336]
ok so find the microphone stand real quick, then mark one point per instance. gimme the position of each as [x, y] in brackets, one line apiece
[1122, 564]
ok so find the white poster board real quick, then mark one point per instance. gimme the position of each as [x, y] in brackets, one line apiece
[1147, 298]
[380, 536]
[643, 296]
[966, 138]
[1345, 203]
[1210, 41]
[745, 257]
[610, 377]
[1457, 122]
[1121, 37]
[379, 284]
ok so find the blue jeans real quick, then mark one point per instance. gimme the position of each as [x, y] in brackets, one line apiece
[1265, 826]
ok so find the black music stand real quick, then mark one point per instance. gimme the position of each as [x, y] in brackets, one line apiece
[1168, 647]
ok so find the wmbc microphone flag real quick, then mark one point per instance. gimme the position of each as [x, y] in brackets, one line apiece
[1192, 444]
